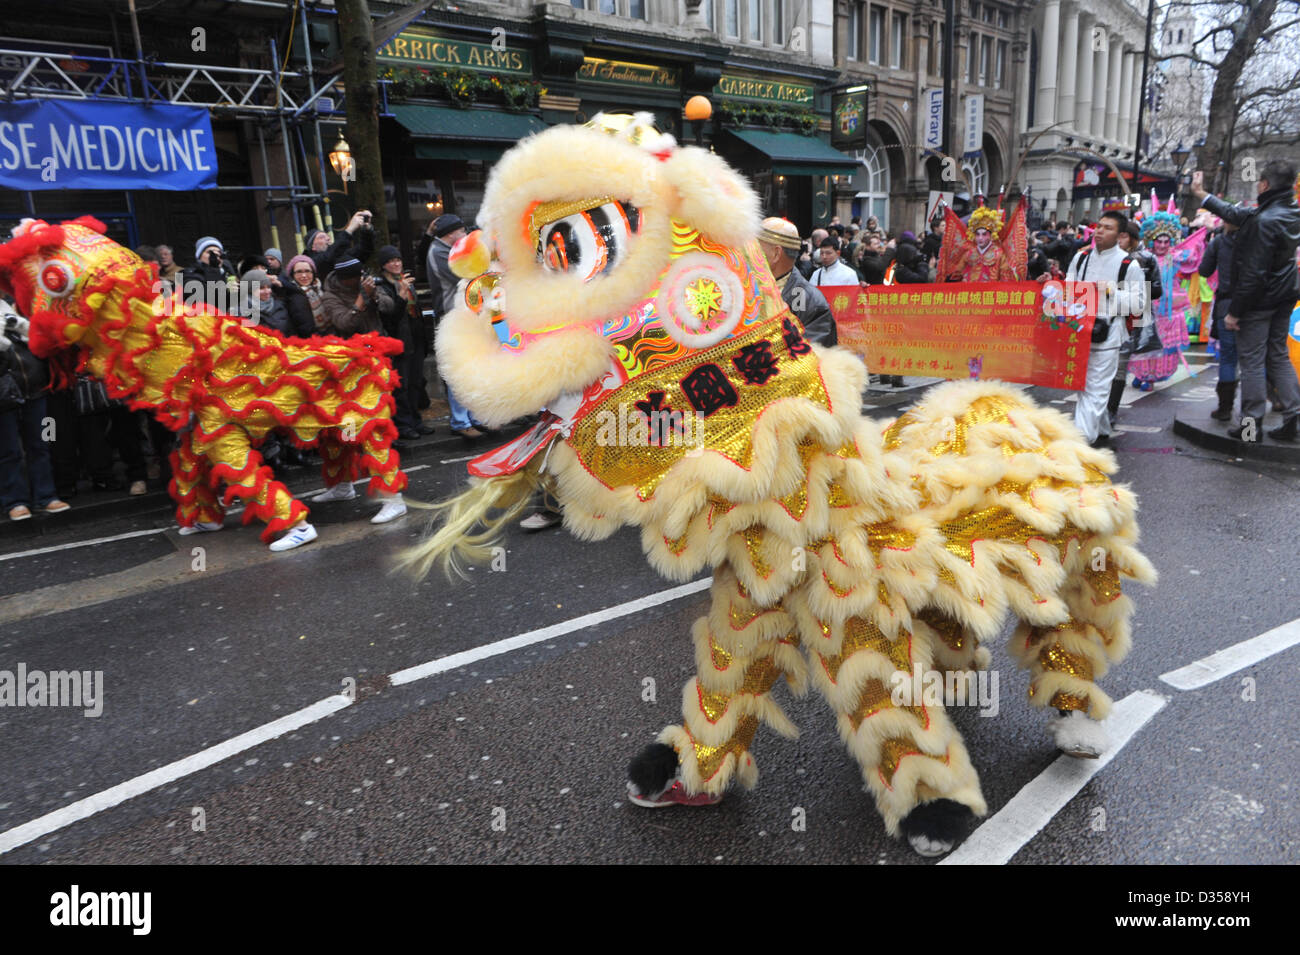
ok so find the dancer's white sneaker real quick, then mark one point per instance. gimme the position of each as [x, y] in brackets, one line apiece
[394, 507]
[343, 491]
[200, 528]
[297, 536]
[1078, 735]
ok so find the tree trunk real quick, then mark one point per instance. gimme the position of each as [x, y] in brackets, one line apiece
[1214, 158]
[356, 34]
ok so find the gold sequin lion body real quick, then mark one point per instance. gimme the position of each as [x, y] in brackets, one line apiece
[627, 292]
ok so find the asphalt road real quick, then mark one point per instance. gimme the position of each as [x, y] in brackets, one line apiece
[520, 756]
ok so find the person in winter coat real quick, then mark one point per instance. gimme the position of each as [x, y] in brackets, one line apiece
[909, 265]
[779, 240]
[871, 264]
[349, 302]
[356, 241]
[301, 277]
[1218, 258]
[448, 229]
[211, 279]
[395, 301]
[1265, 285]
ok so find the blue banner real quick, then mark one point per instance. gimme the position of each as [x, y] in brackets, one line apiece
[62, 144]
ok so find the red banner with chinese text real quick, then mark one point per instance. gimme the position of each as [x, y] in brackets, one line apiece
[989, 330]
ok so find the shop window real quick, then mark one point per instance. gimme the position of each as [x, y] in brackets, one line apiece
[871, 184]
[896, 41]
[754, 14]
[855, 31]
[1000, 67]
[876, 41]
[732, 17]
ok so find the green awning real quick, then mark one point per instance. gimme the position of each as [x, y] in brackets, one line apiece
[795, 155]
[446, 133]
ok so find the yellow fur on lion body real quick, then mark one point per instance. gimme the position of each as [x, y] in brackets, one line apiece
[869, 547]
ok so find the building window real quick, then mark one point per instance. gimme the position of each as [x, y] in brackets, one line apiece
[778, 22]
[733, 17]
[1180, 36]
[936, 48]
[972, 57]
[876, 41]
[896, 42]
[636, 9]
[977, 172]
[755, 16]
[1000, 69]
[989, 14]
[1002, 20]
[872, 185]
[855, 31]
[974, 11]
[986, 54]
[1033, 75]
[607, 6]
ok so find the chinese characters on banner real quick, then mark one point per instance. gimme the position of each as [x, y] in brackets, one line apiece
[990, 330]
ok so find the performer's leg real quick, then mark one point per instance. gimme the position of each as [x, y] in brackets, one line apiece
[191, 486]
[238, 464]
[1066, 660]
[912, 758]
[1090, 412]
[339, 460]
[379, 460]
[740, 652]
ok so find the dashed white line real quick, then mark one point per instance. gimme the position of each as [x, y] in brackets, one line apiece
[466, 657]
[468, 457]
[115, 795]
[233, 512]
[1236, 657]
[1010, 829]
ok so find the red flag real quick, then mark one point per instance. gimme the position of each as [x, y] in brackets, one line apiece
[1015, 242]
[952, 253]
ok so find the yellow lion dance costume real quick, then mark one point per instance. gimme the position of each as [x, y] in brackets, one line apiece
[632, 303]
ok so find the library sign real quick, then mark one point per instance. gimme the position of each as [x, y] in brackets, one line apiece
[430, 50]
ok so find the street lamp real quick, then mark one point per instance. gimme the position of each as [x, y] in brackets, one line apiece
[1180, 154]
[698, 110]
[341, 160]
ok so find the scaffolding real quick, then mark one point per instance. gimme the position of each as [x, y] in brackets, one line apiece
[265, 97]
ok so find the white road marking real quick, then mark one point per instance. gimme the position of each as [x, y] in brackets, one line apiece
[84, 808]
[466, 657]
[89, 543]
[1231, 659]
[1138, 428]
[468, 457]
[115, 795]
[1010, 829]
[233, 512]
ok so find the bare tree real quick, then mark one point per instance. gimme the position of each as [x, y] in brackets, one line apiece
[356, 34]
[1249, 44]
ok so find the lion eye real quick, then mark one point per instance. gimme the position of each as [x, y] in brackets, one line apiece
[55, 278]
[589, 242]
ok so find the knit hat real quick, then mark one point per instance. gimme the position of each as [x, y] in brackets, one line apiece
[780, 232]
[273, 254]
[348, 268]
[311, 237]
[300, 260]
[446, 224]
[387, 253]
[205, 243]
[909, 236]
[257, 275]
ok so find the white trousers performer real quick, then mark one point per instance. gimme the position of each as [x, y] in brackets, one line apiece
[1090, 414]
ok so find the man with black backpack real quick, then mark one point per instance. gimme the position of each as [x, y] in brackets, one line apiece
[1120, 293]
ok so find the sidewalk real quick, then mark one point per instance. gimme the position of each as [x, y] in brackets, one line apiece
[1193, 422]
[96, 505]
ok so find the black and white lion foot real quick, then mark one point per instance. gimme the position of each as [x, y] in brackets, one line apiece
[933, 828]
[653, 781]
[1078, 735]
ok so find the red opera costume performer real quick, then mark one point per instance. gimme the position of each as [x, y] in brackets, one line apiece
[984, 250]
[221, 383]
[682, 398]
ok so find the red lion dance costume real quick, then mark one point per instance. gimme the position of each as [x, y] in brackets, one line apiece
[219, 382]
